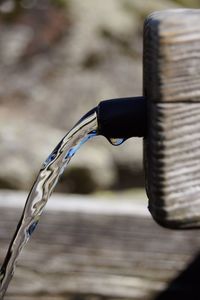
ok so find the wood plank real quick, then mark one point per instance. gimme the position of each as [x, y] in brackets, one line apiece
[82, 253]
[172, 90]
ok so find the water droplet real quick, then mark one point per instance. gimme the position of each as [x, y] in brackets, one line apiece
[116, 141]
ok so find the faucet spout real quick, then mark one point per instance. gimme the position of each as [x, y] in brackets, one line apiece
[122, 118]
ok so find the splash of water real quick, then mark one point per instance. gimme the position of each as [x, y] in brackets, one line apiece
[41, 190]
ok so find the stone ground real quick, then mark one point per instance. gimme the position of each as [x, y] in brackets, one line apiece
[100, 248]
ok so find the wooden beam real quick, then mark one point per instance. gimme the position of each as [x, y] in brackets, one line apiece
[172, 90]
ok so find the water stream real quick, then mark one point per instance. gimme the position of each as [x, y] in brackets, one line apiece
[41, 190]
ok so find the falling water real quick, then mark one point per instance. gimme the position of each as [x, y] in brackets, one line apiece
[45, 182]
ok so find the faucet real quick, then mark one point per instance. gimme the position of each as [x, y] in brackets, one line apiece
[167, 117]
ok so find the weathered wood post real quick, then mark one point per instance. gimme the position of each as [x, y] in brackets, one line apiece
[172, 90]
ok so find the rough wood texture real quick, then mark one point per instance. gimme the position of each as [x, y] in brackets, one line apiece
[172, 89]
[97, 249]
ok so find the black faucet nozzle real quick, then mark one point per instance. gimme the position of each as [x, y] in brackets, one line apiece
[122, 117]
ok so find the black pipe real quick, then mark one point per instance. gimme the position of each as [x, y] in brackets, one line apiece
[122, 118]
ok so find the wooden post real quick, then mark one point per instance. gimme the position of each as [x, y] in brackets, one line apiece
[172, 90]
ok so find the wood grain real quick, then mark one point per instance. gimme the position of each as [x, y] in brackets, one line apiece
[172, 90]
[79, 253]
[172, 56]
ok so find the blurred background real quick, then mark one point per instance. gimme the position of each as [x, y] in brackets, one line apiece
[58, 59]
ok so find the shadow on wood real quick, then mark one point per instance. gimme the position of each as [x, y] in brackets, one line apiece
[186, 285]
